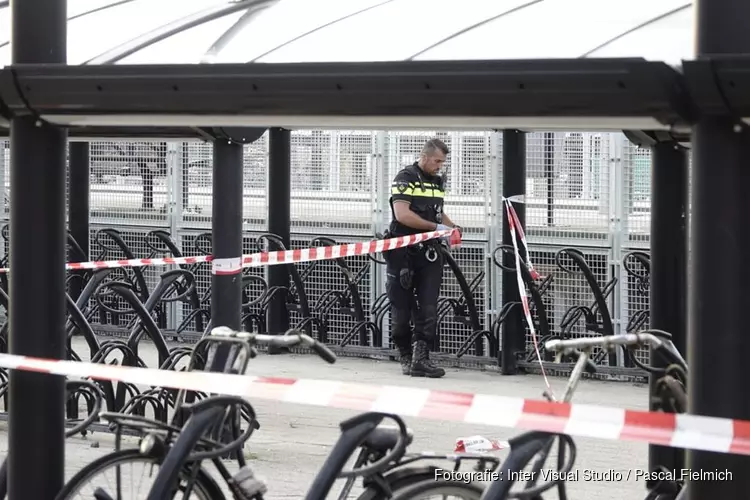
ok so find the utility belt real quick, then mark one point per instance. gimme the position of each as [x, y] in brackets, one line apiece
[429, 249]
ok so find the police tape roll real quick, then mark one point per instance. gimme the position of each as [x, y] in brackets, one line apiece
[281, 256]
[677, 430]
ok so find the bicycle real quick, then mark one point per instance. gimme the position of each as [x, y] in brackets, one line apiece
[179, 450]
[525, 447]
[75, 389]
[390, 468]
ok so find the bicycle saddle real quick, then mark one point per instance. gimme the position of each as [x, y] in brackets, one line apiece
[384, 438]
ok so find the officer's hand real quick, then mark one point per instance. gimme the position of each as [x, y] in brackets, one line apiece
[459, 229]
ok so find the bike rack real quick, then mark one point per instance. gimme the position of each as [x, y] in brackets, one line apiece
[633, 262]
[126, 398]
[537, 308]
[589, 313]
[295, 296]
[349, 301]
[161, 243]
[465, 310]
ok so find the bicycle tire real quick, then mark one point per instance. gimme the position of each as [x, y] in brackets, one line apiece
[461, 489]
[517, 461]
[397, 480]
[204, 485]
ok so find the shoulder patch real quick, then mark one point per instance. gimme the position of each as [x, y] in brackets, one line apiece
[401, 186]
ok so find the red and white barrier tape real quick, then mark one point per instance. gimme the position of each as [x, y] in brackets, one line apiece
[228, 266]
[668, 429]
[515, 226]
[519, 228]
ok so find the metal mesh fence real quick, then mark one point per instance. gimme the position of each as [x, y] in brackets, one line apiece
[585, 190]
[129, 183]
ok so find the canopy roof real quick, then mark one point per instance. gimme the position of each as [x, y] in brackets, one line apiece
[287, 31]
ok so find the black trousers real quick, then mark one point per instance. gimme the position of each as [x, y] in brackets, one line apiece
[413, 288]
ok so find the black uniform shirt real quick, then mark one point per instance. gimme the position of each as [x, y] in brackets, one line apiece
[423, 191]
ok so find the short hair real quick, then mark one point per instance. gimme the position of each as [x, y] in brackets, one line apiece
[434, 145]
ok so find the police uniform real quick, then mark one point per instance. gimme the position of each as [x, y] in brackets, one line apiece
[415, 273]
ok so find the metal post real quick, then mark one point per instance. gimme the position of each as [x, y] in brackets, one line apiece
[175, 209]
[669, 188]
[78, 203]
[618, 237]
[718, 285]
[36, 427]
[226, 273]
[279, 218]
[381, 217]
[514, 183]
[549, 174]
[496, 210]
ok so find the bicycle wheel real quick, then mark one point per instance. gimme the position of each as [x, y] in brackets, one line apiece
[116, 474]
[442, 489]
[397, 480]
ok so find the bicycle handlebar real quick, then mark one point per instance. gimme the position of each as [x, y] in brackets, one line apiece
[605, 342]
[291, 338]
[658, 340]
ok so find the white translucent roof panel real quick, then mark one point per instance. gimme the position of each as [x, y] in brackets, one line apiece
[376, 30]
[393, 31]
[76, 8]
[186, 47]
[286, 21]
[91, 35]
[675, 33]
[555, 29]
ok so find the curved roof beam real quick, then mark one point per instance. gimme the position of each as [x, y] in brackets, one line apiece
[330, 23]
[82, 14]
[237, 27]
[130, 47]
[636, 28]
[473, 26]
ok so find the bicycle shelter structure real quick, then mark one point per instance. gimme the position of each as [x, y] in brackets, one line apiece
[45, 100]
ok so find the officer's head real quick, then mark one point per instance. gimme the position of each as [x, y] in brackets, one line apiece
[433, 156]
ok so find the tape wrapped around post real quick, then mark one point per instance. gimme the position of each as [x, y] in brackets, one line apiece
[226, 267]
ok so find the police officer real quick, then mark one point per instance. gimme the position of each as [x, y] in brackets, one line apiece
[415, 273]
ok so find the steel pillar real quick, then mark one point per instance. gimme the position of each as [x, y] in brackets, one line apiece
[279, 219]
[668, 287]
[719, 287]
[514, 183]
[226, 220]
[78, 202]
[36, 424]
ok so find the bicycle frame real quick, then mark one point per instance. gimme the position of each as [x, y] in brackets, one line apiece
[232, 354]
[354, 431]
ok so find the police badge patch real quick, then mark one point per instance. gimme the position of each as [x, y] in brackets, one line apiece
[402, 186]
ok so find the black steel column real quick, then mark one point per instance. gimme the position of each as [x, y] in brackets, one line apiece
[78, 203]
[514, 183]
[279, 219]
[719, 291]
[36, 428]
[668, 288]
[226, 279]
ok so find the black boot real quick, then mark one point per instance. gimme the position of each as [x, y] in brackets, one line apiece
[405, 360]
[421, 366]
